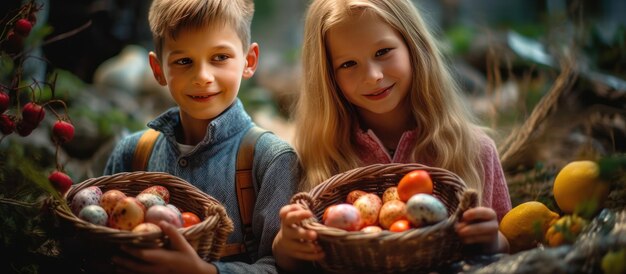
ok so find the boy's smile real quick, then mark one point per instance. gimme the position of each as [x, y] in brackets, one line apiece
[203, 68]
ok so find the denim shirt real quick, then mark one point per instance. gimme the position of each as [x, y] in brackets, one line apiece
[210, 166]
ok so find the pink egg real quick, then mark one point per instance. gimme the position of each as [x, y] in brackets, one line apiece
[343, 216]
[157, 213]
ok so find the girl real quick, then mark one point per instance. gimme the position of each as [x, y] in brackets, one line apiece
[376, 90]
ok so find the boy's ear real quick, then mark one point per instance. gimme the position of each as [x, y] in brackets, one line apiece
[155, 65]
[252, 60]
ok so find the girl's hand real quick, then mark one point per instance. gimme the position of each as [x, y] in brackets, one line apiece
[480, 226]
[293, 242]
[180, 258]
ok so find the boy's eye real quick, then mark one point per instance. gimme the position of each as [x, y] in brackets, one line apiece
[183, 61]
[220, 57]
[382, 52]
[347, 64]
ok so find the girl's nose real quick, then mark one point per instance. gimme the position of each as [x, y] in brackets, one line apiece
[373, 73]
[204, 75]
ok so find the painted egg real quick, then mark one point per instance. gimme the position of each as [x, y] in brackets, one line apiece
[343, 216]
[94, 214]
[127, 214]
[159, 191]
[110, 198]
[146, 228]
[353, 195]
[368, 206]
[149, 199]
[390, 212]
[158, 213]
[177, 211]
[424, 209]
[87, 196]
[390, 194]
[371, 229]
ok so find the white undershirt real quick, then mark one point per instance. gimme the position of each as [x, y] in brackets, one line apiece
[184, 149]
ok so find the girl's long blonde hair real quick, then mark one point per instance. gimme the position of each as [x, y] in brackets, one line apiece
[447, 135]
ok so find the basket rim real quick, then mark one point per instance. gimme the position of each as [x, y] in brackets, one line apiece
[466, 196]
[214, 214]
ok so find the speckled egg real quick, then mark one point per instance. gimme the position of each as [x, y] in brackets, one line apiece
[158, 213]
[127, 214]
[369, 207]
[390, 212]
[110, 198]
[159, 191]
[424, 209]
[94, 214]
[149, 199]
[87, 196]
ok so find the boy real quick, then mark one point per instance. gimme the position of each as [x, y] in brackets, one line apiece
[202, 51]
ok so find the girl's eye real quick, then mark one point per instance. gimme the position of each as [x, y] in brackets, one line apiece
[183, 61]
[220, 57]
[347, 64]
[382, 52]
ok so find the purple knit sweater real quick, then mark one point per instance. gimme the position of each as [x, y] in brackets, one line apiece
[495, 190]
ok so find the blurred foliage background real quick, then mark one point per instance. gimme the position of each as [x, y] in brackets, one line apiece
[549, 77]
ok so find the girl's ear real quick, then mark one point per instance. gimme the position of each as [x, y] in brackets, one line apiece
[252, 60]
[155, 65]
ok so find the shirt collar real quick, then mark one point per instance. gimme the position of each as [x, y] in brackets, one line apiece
[233, 120]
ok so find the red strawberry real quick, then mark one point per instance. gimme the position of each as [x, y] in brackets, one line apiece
[4, 101]
[60, 181]
[7, 126]
[33, 113]
[62, 131]
[24, 128]
[23, 27]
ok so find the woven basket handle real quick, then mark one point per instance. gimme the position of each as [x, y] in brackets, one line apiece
[303, 199]
[469, 199]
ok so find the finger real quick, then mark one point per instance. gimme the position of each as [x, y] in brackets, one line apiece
[288, 208]
[484, 228]
[296, 216]
[308, 256]
[177, 241]
[479, 214]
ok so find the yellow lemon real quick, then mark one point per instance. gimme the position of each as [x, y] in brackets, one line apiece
[578, 187]
[565, 230]
[526, 224]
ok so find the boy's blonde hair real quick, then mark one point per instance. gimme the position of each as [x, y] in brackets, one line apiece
[169, 17]
[325, 121]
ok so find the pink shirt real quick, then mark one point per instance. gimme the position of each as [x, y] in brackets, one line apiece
[495, 190]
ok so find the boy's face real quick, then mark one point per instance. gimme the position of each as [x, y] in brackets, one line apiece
[203, 68]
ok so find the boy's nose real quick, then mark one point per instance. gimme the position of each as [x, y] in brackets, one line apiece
[373, 73]
[204, 75]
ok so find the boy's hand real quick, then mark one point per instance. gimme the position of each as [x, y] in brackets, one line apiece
[180, 258]
[293, 240]
[480, 226]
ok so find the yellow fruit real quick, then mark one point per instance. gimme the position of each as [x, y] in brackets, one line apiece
[525, 225]
[578, 185]
[614, 262]
[565, 230]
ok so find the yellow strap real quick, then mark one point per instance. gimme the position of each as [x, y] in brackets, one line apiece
[144, 149]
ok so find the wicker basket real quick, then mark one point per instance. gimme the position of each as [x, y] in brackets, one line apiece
[412, 251]
[207, 237]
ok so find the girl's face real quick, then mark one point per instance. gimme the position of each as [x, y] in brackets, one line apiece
[371, 63]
